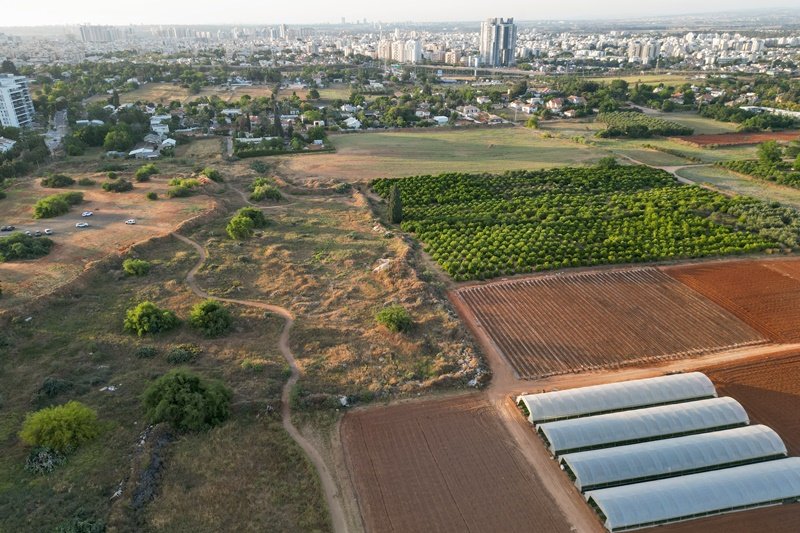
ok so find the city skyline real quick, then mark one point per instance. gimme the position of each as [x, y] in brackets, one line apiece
[51, 13]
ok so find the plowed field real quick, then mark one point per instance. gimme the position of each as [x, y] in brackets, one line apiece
[443, 466]
[769, 389]
[765, 294]
[736, 139]
[565, 323]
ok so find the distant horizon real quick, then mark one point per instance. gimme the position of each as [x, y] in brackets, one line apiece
[186, 13]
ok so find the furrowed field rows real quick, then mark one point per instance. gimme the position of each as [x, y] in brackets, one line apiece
[765, 294]
[565, 323]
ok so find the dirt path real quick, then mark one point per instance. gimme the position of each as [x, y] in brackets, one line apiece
[332, 495]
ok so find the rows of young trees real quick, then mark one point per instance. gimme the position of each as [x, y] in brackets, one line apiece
[770, 165]
[479, 226]
[639, 125]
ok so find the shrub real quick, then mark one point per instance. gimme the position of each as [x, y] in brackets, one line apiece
[254, 365]
[20, 246]
[395, 318]
[52, 387]
[189, 183]
[187, 401]
[144, 172]
[81, 524]
[61, 428]
[212, 174]
[608, 161]
[87, 182]
[241, 226]
[120, 185]
[210, 317]
[57, 181]
[112, 175]
[136, 267]
[43, 460]
[259, 166]
[265, 192]
[57, 204]
[395, 206]
[182, 353]
[256, 215]
[152, 195]
[145, 352]
[178, 192]
[148, 318]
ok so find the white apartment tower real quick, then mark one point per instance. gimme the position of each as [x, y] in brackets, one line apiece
[16, 106]
[498, 42]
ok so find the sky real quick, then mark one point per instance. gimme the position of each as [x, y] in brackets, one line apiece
[57, 12]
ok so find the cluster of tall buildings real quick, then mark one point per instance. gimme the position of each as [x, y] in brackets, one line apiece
[16, 106]
[400, 51]
[498, 43]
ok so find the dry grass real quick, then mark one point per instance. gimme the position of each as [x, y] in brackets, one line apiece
[164, 93]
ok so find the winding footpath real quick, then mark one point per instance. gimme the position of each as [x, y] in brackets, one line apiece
[331, 492]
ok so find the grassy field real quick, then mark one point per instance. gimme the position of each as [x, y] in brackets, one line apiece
[731, 183]
[361, 157]
[245, 472]
[205, 150]
[164, 93]
[651, 79]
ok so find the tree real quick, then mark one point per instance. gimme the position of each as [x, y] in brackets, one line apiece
[769, 152]
[395, 205]
[608, 161]
[119, 139]
[8, 67]
[62, 428]
[149, 318]
[395, 318]
[313, 94]
[186, 401]
[115, 98]
[533, 122]
[136, 267]
[240, 228]
[210, 317]
[144, 172]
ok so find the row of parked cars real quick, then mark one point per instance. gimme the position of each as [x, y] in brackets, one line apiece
[48, 231]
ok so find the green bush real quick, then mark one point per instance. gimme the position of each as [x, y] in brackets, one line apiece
[112, 175]
[145, 352]
[120, 185]
[148, 318]
[395, 318]
[86, 182]
[144, 172]
[56, 204]
[111, 167]
[81, 524]
[246, 219]
[210, 317]
[57, 181]
[182, 353]
[212, 174]
[608, 161]
[62, 428]
[52, 387]
[187, 401]
[43, 460]
[253, 365]
[265, 192]
[152, 195]
[189, 183]
[136, 267]
[179, 192]
[259, 166]
[20, 246]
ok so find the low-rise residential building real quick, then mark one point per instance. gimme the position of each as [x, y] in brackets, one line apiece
[6, 145]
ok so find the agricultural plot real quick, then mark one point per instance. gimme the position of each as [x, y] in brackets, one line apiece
[764, 294]
[736, 139]
[780, 173]
[479, 226]
[631, 124]
[443, 465]
[566, 323]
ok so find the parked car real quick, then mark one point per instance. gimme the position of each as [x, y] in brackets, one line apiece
[37, 233]
[28, 232]
[87, 214]
[7, 228]
[82, 225]
[130, 221]
[48, 231]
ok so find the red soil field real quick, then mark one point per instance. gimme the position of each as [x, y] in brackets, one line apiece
[765, 294]
[735, 139]
[445, 466]
[769, 389]
[559, 323]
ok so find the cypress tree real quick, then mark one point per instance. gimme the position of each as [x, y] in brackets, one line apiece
[395, 205]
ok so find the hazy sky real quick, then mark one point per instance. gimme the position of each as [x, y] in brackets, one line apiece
[48, 12]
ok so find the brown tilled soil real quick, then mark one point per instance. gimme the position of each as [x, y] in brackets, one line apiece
[443, 465]
[735, 139]
[556, 324]
[764, 294]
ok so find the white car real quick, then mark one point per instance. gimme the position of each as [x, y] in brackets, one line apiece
[82, 225]
[48, 231]
[130, 221]
[87, 214]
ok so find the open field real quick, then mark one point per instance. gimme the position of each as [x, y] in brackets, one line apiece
[651, 79]
[164, 93]
[764, 294]
[567, 323]
[207, 149]
[75, 248]
[731, 183]
[734, 139]
[366, 156]
[443, 465]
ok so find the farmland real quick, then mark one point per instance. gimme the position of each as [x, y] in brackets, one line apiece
[443, 465]
[780, 173]
[629, 124]
[555, 324]
[477, 226]
[367, 156]
[736, 139]
[764, 294]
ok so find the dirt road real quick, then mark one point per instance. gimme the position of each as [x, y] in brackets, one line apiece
[332, 495]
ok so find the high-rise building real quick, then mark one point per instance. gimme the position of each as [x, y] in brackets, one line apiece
[412, 52]
[99, 34]
[16, 106]
[498, 42]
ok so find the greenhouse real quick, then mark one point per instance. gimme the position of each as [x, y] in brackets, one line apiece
[635, 463]
[641, 425]
[598, 399]
[698, 495]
